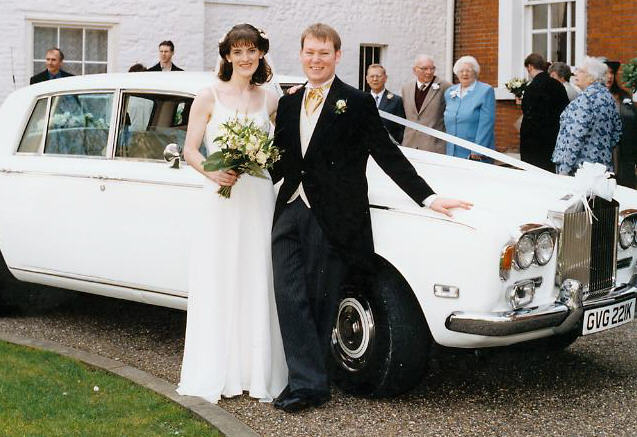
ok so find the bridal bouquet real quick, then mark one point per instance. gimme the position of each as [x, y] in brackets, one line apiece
[245, 148]
[516, 86]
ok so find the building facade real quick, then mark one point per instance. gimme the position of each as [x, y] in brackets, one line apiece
[500, 33]
[111, 35]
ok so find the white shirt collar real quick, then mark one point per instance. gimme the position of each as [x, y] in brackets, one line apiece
[327, 82]
[380, 94]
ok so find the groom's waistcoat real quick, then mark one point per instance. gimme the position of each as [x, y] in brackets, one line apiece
[333, 168]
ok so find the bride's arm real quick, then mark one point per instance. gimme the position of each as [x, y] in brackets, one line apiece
[272, 101]
[200, 113]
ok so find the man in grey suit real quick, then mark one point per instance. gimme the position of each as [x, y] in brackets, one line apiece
[424, 102]
[386, 100]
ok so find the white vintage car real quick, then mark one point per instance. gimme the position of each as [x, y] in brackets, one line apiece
[89, 204]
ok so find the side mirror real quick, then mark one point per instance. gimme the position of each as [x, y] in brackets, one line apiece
[172, 155]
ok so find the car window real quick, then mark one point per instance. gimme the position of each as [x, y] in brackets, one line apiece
[79, 124]
[149, 122]
[32, 136]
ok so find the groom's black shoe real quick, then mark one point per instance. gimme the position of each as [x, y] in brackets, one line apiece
[293, 402]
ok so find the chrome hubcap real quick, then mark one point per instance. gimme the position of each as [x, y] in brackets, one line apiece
[353, 334]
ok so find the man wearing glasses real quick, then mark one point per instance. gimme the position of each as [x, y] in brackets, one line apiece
[424, 103]
[386, 100]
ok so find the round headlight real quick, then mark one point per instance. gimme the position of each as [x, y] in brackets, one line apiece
[626, 233]
[543, 248]
[525, 251]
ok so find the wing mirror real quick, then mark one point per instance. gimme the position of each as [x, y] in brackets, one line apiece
[172, 155]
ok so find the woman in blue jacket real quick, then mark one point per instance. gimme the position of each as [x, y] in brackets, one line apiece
[470, 109]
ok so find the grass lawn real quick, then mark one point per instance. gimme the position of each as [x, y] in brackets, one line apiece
[45, 395]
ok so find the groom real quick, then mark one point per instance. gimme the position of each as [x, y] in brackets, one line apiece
[322, 228]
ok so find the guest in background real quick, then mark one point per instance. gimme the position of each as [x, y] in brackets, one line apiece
[424, 103]
[561, 72]
[386, 100]
[590, 126]
[626, 149]
[166, 52]
[544, 100]
[135, 68]
[54, 61]
[470, 109]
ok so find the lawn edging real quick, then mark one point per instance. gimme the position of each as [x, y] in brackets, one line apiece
[225, 422]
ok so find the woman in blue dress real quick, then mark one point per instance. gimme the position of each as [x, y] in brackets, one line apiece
[590, 126]
[470, 110]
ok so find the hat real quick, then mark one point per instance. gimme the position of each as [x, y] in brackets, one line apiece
[613, 65]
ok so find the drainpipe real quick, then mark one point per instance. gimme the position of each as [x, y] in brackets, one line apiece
[451, 5]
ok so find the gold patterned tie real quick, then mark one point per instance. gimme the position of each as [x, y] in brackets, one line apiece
[313, 100]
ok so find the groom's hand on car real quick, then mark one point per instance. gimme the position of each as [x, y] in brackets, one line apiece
[224, 178]
[443, 205]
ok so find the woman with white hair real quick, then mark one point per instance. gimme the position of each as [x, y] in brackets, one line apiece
[590, 125]
[470, 109]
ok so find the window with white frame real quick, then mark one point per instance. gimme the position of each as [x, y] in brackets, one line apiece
[556, 29]
[85, 48]
[553, 30]
[369, 54]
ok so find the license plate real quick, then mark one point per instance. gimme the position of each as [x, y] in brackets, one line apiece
[611, 316]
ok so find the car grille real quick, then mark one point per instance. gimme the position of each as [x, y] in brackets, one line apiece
[588, 252]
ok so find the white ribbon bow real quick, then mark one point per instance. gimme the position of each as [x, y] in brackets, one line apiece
[593, 180]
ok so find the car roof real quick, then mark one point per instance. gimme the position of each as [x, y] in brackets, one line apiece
[176, 81]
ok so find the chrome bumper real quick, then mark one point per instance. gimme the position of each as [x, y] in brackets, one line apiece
[564, 315]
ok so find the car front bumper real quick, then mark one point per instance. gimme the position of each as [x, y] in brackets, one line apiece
[564, 315]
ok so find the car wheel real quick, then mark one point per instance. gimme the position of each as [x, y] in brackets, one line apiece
[380, 340]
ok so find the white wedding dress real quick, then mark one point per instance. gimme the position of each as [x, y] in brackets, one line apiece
[233, 342]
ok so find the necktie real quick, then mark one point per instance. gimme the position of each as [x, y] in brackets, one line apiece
[313, 99]
[377, 100]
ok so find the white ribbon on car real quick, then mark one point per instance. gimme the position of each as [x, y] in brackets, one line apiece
[593, 180]
[590, 179]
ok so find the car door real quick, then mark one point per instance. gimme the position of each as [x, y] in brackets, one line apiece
[94, 200]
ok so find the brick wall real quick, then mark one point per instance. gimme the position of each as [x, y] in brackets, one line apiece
[611, 29]
[476, 34]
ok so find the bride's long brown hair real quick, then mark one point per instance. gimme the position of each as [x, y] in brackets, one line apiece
[245, 35]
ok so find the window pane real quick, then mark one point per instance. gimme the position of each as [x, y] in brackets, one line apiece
[74, 68]
[572, 60]
[540, 16]
[539, 44]
[558, 47]
[33, 133]
[149, 122]
[571, 6]
[558, 15]
[43, 39]
[79, 124]
[71, 43]
[38, 67]
[96, 44]
[94, 68]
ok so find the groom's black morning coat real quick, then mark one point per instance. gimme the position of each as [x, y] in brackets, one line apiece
[333, 169]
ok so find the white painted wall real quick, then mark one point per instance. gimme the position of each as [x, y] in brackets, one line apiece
[406, 27]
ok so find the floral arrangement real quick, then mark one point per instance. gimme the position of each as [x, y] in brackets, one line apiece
[67, 120]
[245, 148]
[517, 86]
[629, 74]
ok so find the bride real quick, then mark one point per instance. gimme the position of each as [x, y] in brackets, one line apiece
[233, 343]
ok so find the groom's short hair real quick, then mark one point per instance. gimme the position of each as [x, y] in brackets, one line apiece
[322, 32]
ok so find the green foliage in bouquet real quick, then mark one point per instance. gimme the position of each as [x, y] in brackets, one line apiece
[629, 74]
[245, 148]
[516, 86]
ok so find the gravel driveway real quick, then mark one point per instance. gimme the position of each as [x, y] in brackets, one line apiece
[590, 389]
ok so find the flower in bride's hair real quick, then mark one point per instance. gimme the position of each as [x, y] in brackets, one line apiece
[263, 34]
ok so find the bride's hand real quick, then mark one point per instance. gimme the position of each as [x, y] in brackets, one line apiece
[224, 178]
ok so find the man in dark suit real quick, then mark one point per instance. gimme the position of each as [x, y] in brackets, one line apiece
[386, 100]
[544, 100]
[322, 226]
[54, 61]
[166, 52]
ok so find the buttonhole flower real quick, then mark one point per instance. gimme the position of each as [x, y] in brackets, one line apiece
[435, 86]
[341, 106]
